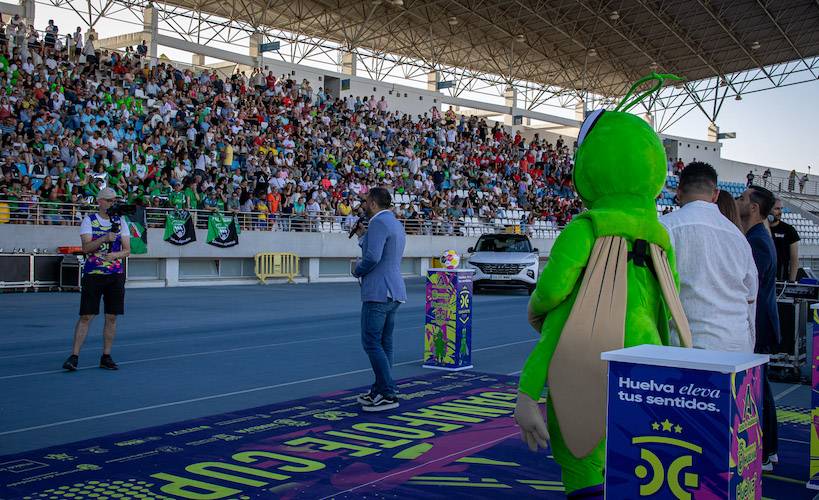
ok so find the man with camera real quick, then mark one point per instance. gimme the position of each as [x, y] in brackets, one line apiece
[105, 241]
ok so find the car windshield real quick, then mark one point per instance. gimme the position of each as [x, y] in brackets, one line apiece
[504, 243]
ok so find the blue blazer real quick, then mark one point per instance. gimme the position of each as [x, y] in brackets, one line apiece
[382, 248]
[767, 314]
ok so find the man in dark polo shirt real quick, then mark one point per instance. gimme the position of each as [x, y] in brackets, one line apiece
[786, 241]
[754, 206]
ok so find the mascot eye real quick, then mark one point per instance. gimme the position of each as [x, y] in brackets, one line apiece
[588, 125]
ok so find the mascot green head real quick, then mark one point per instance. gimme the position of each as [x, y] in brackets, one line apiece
[620, 160]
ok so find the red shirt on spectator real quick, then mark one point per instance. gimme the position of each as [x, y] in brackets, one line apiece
[274, 201]
[152, 170]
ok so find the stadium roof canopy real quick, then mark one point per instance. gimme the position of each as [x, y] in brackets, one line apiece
[597, 45]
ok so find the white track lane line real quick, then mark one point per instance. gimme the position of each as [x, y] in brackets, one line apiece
[188, 355]
[227, 394]
[787, 391]
[203, 337]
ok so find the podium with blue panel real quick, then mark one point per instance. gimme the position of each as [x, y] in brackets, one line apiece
[684, 423]
[448, 323]
[813, 480]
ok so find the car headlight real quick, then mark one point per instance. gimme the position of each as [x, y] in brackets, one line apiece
[531, 263]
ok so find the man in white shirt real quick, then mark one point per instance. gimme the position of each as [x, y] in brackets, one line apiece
[718, 277]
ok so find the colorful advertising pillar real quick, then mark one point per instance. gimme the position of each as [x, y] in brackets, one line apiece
[448, 327]
[684, 423]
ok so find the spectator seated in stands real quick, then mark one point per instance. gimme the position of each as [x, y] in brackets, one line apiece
[121, 120]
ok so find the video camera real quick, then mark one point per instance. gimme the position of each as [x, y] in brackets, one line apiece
[117, 210]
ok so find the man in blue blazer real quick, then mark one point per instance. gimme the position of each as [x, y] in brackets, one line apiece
[754, 206]
[382, 292]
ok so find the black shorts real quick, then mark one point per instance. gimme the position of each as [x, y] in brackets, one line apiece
[110, 287]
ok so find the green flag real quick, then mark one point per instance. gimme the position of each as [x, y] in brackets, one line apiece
[138, 229]
[222, 232]
[179, 228]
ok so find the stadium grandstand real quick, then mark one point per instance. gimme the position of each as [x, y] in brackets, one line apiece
[293, 153]
[288, 154]
[281, 115]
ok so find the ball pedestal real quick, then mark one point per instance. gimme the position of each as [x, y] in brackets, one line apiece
[448, 325]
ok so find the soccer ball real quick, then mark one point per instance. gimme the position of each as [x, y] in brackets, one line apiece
[450, 259]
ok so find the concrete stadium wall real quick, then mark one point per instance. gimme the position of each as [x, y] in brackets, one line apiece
[729, 170]
[323, 256]
[417, 101]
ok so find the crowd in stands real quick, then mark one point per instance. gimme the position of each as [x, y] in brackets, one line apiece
[75, 119]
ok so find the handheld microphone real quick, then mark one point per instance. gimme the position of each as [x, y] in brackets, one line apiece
[358, 224]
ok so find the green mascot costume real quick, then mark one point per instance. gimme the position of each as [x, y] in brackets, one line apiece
[610, 283]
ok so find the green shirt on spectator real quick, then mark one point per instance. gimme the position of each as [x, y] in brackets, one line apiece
[178, 199]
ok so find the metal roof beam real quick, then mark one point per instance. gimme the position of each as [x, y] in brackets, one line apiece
[611, 60]
[785, 35]
[561, 64]
[716, 17]
[675, 30]
[628, 38]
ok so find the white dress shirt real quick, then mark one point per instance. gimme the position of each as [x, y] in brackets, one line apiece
[718, 277]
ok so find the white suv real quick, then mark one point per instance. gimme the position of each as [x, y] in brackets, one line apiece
[504, 261]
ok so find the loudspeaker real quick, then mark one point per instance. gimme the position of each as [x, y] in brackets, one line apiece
[70, 272]
[787, 327]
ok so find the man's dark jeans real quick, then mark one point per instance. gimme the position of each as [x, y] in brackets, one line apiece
[377, 323]
[770, 433]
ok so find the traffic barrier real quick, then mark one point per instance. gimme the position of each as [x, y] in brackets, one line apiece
[276, 265]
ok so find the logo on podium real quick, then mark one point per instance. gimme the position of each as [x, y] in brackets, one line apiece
[655, 474]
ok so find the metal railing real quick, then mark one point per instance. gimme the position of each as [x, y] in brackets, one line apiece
[72, 214]
[782, 185]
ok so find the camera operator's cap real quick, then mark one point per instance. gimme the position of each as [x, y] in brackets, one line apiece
[107, 194]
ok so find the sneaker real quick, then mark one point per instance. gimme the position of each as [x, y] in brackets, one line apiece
[71, 363]
[774, 458]
[381, 403]
[366, 399]
[767, 465]
[108, 363]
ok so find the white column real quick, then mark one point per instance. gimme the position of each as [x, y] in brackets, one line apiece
[579, 110]
[511, 97]
[349, 61]
[713, 132]
[171, 272]
[425, 263]
[150, 26]
[313, 269]
[256, 39]
[433, 77]
[27, 10]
